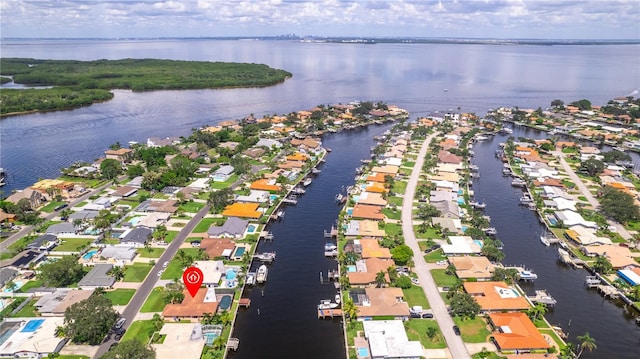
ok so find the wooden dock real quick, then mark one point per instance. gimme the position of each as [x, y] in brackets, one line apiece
[233, 343]
[333, 233]
[329, 313]
[244, 302]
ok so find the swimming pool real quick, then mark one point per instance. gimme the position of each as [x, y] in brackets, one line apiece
[478, 242]
[351, 268]
[239, 252]
[464, 228]
[87, 256]
[251, 228]
[209, 338]
[225, 302]
[134, 221]
[273, 197]
[460, 200]
[356, 198]
[460, 192]
[552, 219]
[363, 352]
[16, 285]
[32, 325]
[350, 211]
[230, 274]
[7, 329]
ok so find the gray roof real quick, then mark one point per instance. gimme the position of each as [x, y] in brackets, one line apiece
[234, 226]
[48, 302]
[98, 277]
[225, 170]
[63, 227]
[83, 215]
[266, 142]
[7, 274]
[36, 243]
[447, 208]
[118, 253]
[137, 235]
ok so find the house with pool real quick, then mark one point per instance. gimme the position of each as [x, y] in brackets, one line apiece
[496, 296]
[380, 302]
[30, 337]
[233, 227]
[206, 300]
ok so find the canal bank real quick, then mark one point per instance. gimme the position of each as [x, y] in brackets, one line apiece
[282, 320]
[579, 309]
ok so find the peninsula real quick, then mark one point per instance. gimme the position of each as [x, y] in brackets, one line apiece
[79, 83]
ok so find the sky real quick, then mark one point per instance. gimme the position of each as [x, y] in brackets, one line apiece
[500, 19]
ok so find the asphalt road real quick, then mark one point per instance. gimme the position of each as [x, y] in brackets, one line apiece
[455, 344]
[152, 278]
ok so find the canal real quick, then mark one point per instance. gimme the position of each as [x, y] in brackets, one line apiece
[579, 309]
[282, 320]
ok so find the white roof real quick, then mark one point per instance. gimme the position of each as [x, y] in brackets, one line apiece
[461, 245]
[43, 338]
[212, 271]
[200, 183]
[388, 339]
[570, 218]
[394, 161]
[179, 342]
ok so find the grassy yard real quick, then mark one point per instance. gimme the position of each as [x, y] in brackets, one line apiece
[430, 233]
[205, 223]
[174, 270]
[434, 256]
[417, 330]
[225, 184]
[29, 310]
[408, 164]
[120, 296]
[171, 235]
[155, 302]
[191, 207]
[395, 201]
[442, 279]
[136, 272]
[51, 206]
[352, 329]
[473, 330]
[415, 296]
[72, 245]
[391, 214]
[392, 229]
[151, 252]
[30, 284]
[140, 330]
[72, 357]
[399, 187]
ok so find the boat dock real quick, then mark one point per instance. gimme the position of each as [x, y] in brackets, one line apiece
[333, 233]
[329, 313]
[244, 302]
[543, 297]
[266, 235]
[233, 343]
[607, 291]
[566, 258]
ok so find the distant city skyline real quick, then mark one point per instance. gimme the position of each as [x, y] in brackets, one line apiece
[497, 19]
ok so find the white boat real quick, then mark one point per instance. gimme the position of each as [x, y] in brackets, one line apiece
[3, 177]
[478, 205]
[545, 241]
[327, 304]
[338, 299]
[261, 274]
[482, 138]
[298, 190]
[266, 256]
[528, 275]
[280, 214]
[505, 131]
[251, 278]
[315, 171]
[518, 182]
[330, 247]
[490, 231]
[339, 197]
[306, 182]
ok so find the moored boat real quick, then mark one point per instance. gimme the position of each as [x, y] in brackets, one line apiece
[306, 182]
[265, 257]
[327, 304]
[261, 274]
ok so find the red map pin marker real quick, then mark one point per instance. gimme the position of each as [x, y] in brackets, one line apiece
[192, 278]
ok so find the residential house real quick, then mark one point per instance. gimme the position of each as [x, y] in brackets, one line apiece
[364, 228]
[448, 157]
[618, 256]
[370, 198]
[380, 302]
[268, 143]
[124, 191]
[45, 242]
[118, 255]
[195, 307]
[472, 267]
[461, 245]
[244, 210]
[443, 196]
[223, 173]
[218, 247]
[367, 212]
[570, 219]
[7, 274]
[122, 155]
[161, 142]
[496, 296]
[56, 303]
[98, 277]
[212, 270]
[34, 197]
[388, 339]
[233, 227]
[181, 340]
[154, 219]
[62, 229]
[254, 196]
[516, 332]
[266, 185]
[448, 209]
[370, 248]
[136, 237]
[451, 225]
[368, 269]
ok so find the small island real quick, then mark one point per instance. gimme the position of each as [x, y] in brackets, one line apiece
[80, 83]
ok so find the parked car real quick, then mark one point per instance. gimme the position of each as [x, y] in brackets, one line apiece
[415, 280]
[165, 264]
[427, 315]
[415, 315]
[120, 323]
[456, 330]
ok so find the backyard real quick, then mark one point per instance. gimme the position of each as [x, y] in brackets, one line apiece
[120, 296]
[473, 330]
[205, 223]
[72, 244]
[419, 329]
[136, 272]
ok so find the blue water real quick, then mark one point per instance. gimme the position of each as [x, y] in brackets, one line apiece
[464, 228]
[251, 228]
[209, 338]
[460, 200]
[32, 325]
[225, 302]
[351, 268]
[363, 352]
[17, 285]
[479, 243]
[239, 252]
[231, 274]
[273, 197]
[350, 211]
[460, 192]
[89, 254]
[134, 221]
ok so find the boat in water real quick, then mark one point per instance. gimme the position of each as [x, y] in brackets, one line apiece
[265, 257]
[3, 177]
[492, 231]
[251, 278]
[306, 182]
[327, 304]
[261, 274]
[477, 205]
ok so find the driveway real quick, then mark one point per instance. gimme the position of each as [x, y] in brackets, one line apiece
[456, 346]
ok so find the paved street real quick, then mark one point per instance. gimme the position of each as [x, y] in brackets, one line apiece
[150, 282]
[455, 344]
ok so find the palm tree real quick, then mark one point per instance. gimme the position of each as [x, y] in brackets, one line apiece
[381, 279]
[350, 310]
[158, 322]
[117, 272]
[207, 318]
[60, 332]
[586, 342]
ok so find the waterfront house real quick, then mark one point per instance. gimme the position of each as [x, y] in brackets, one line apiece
[218, 247]
[370, 248]
[516, 332]
[380, 302]
[496, 296]
[122, 155]
[233, 227]
[376, 177]
[212, 271]
[450, 224]
[560, 203]
[376, 187]
[371, 198]
[61, 229]
[449, 167]
[265, 185]
[6, 217]
[364, 228]
[366, 271]
[570, 219]
[136, 237]
[585, 236]
[551, 192]
[446, 186]
[98, 277]
[56, 303]
[34, 197]
[388, 339]
[618, 256]
[254, 196]
[243, 210]
[448, 209]
[472, 267]
[192, 308]
[461, 245]
[386, 170]
[448, 157]
[161, 142]
[367, 212]
[181, 340]
[440, 196]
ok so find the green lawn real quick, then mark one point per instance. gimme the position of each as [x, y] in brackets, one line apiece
[395, 201]
[72, 245]
[30, 284]
[173, 271]
[225, 184]
[430, 233]
[72, 357]
[399, 187]
[392, 229]
[140, 330]
[417, 330]
[155, 302]
[442, 279]
[473, 330]
[391, 214]
[415, 296]
[171, 235]
[205, 223]
[435, 256]
[120, 296]
[151, 252]
[51, 206]
[29, 310]
[191, 207]
[408, 164]
[136, 272]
